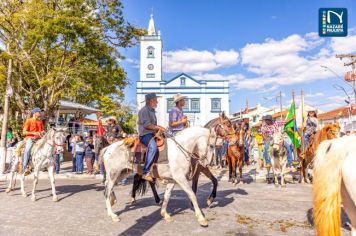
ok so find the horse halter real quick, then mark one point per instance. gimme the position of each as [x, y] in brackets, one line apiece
[54, 141]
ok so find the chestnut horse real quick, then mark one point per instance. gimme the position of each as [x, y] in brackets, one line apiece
[329, 131]
[235, 150]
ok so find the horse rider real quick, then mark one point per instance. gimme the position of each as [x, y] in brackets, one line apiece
[113, 132]
[177, 120]
[33, 130]
[147, 128]
[310, 126]
[269, 127]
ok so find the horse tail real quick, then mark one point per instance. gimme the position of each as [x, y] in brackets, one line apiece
[139, 185]
[101, 156]
[326, 189]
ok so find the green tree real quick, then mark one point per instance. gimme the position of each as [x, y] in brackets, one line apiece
[65, 49]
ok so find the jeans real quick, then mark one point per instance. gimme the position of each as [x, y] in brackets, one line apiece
[220, 152]
[306, 139]
[102, 167]
[74, 164]
[79, 156]
[26, 156]
[289, 152]
[149, 142]
[266, 146]
[247, 151]
[57, 162]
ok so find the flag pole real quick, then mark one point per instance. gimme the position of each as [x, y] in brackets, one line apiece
[294, 120]
[302, 110]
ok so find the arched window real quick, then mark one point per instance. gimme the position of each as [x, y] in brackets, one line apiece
[182, 80]
[150, 52]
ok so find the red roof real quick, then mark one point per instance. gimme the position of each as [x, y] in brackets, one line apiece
[337, 113]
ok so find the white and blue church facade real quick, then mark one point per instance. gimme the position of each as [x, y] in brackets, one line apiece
[205, 98]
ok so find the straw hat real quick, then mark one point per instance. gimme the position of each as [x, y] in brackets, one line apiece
[112, 118]
[178, 97]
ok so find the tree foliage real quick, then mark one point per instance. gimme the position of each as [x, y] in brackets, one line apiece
[65, 49]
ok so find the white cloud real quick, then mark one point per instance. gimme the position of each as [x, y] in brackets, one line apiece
[293, 60]
[193, 61]
[134, 62]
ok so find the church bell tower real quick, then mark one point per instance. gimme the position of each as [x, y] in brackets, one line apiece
[151, 54]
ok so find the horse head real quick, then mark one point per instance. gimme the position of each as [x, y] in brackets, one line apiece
[59, 136]
[332, 130]
[277, 141]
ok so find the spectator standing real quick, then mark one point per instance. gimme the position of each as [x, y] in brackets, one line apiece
[79, 154]
[89, 155]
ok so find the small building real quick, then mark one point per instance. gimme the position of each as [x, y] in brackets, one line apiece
[345, 116]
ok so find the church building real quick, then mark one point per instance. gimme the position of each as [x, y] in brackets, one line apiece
[205, 98]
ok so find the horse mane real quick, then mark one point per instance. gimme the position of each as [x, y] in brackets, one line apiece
[42, 141]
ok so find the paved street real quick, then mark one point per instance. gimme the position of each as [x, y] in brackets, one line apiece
[245, 209]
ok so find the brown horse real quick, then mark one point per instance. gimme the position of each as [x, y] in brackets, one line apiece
[329, 131]
[235, 150]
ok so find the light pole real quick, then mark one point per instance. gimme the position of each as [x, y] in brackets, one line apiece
[339, 77]
[348, 101]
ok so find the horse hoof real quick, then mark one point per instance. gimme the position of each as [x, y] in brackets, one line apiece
[33, 198]
[24, 194]
[55, 199]
[115, 218]
[210, 201]
[276, 185]
[167, 217]
[133, 201]
[283, 186]
[8, 190]
[203, 222]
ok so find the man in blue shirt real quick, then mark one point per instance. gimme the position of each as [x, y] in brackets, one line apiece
[177, 120]
[147, 128]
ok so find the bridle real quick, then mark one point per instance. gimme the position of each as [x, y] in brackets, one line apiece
[54, 144]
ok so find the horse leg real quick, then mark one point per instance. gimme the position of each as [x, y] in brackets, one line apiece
[184, 184]
[134, 188]
[109, 186]
[234, 166]
[241, 164]
[302, 171]
[51, 178]
[155, 194]
[36, 172]
[228, 160]
[167, 195]
[23, 192]
[208, 174]
[12, 173]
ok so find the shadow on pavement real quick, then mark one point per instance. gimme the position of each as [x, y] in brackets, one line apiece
[144, 223]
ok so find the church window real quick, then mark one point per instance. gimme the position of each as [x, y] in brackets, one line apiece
[216, 104]
[150, 75]
[182, 81]
[186, 105]
[195, 104]
[150, 52]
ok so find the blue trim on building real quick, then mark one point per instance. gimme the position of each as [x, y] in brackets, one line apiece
[157, 92]
[183, 87]
[184, 74]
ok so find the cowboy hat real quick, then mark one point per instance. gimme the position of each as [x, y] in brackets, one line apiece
[267, 117]
[178, 97]
[113, 118]
[150, 96]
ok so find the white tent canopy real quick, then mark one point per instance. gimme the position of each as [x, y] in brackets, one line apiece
[66, 107]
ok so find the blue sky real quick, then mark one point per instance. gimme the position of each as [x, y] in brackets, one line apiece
[261, 46]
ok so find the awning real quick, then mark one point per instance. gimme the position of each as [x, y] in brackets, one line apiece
[66, 107]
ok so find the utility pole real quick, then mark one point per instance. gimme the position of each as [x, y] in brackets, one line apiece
[6, 116]
[352, 63]
[280, 103]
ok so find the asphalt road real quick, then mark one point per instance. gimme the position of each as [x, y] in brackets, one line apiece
[245, 209]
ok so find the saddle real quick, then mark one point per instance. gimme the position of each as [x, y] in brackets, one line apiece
[138, 150]
[19, 153]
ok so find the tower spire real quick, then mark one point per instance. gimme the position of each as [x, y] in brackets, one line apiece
[151, 27]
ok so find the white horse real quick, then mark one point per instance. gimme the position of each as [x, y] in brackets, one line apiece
[197, 140]
[334, 181]
[278, 154]
[42, 156]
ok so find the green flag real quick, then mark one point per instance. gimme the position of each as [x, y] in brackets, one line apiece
[291, 127]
